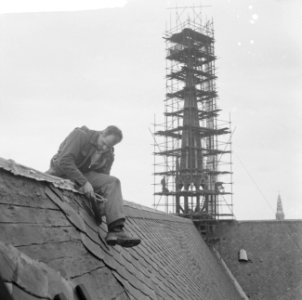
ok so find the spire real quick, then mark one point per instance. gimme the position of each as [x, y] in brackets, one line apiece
[279, 214]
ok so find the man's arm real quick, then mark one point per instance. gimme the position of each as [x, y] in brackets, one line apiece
[69, 151]
[71, 171]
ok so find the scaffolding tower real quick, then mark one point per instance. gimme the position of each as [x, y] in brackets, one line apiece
[192, 149]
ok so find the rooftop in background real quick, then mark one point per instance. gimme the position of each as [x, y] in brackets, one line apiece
[274, 251]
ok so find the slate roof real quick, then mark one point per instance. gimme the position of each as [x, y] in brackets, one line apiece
[45, 223]
[274, 250]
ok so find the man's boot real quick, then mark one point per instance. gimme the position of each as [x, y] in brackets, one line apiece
[117, 236]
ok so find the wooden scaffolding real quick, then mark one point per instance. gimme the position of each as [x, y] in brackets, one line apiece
[192, 152]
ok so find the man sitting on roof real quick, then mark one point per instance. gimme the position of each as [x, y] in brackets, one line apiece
[86, 157]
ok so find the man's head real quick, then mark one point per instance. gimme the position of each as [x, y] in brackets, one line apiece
[111, 136]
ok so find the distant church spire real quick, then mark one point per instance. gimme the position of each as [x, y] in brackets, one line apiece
[279, 213]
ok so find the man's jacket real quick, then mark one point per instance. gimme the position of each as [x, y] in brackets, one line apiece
[74, 156]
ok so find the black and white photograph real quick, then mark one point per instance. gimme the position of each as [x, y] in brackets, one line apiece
[150, 150]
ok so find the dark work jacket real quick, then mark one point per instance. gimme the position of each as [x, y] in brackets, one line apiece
[74, 156]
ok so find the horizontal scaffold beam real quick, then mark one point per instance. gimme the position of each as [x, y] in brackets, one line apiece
[205, 151]
[202, 114]
[187, 35]
[200, 94]
[183, 54]
[182, 76]
[191, 193]
[174, 172]
[195, 71]
[203, 131]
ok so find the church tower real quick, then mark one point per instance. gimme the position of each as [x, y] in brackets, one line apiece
[279, 213]
[192, 152]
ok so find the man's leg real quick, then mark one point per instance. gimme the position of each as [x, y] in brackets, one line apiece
[110, 188]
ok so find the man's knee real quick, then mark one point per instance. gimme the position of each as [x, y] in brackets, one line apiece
[113, 184]
[103, 183]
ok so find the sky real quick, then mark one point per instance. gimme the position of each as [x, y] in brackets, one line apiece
[65, 64]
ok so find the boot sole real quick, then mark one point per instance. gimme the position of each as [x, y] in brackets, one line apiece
[124, 243]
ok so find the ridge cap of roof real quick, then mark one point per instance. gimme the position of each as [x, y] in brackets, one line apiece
[268, 221]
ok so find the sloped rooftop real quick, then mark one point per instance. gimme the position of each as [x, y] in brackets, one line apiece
[50, 246]
[274, 250]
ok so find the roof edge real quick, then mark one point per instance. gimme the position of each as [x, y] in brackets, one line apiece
[266, 221]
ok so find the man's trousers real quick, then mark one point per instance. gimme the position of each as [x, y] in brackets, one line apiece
[109, 187]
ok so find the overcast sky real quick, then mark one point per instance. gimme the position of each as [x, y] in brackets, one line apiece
[72, 63]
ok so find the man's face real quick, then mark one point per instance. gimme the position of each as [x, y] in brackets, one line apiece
[105, 142]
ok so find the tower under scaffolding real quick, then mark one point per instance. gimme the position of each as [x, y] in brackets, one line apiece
[192, 149]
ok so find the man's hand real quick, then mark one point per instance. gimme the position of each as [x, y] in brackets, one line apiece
[88, 190]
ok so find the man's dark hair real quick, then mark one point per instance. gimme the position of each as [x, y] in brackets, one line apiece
[113, 130]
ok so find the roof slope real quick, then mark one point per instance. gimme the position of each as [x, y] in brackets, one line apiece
[48, 230]
[274, 250]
